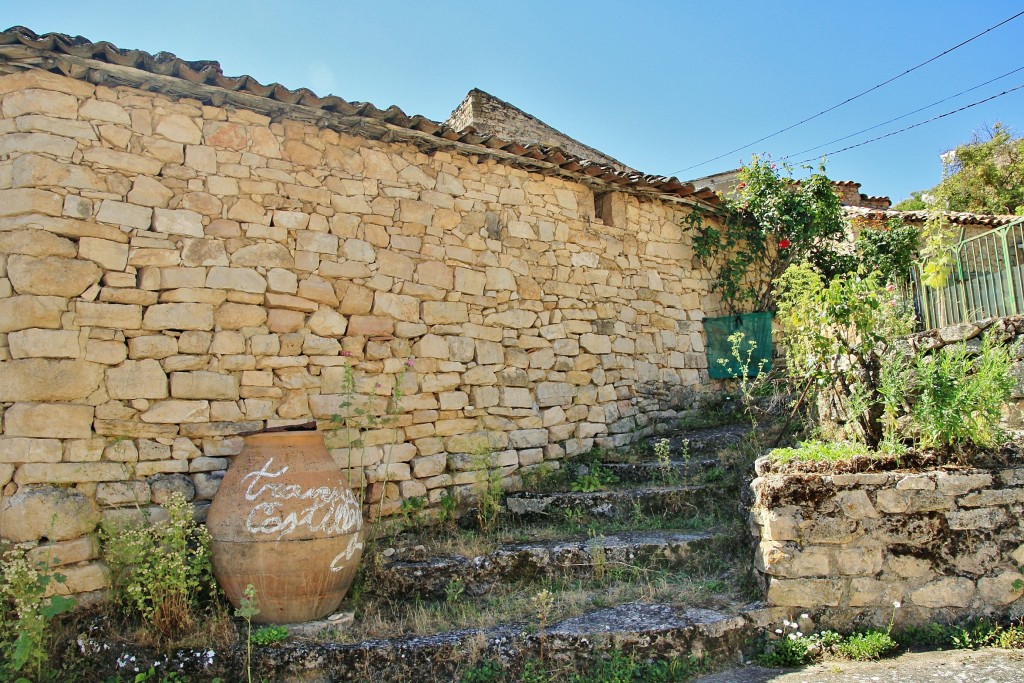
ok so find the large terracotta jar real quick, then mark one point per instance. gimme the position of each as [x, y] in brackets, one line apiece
[286, 521]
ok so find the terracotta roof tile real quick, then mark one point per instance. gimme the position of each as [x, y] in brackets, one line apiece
[955, 217]
[209, 73]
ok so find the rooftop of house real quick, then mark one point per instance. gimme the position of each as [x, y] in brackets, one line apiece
[105, 63]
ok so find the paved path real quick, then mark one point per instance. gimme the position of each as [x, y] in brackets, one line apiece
[953, 666]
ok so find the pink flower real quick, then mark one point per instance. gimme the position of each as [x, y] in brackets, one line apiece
[408, 363]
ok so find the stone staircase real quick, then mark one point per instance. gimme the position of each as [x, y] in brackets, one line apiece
[650, 566]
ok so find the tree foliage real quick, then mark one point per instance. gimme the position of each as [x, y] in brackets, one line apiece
[985, 175]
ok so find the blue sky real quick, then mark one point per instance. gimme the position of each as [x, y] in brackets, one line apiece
[661, 86]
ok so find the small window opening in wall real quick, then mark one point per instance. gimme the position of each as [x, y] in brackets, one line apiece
[604, 203]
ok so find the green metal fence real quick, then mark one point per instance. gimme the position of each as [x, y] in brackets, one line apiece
[986, 280]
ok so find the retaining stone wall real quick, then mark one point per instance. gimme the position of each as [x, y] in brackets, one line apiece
[173, 274]
[945, 544]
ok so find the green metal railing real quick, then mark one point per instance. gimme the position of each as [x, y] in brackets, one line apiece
[986, 280]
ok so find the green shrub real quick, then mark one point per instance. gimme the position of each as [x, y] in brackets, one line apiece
[159, 571]
[958, 397]
[268, 635]
[838, 337]
[866, 646]
[787, 652]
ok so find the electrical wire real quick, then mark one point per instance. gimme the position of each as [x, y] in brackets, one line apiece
[854, 97]
[916, 125]
[903, 116]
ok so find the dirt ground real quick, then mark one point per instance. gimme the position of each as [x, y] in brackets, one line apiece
[954, 666]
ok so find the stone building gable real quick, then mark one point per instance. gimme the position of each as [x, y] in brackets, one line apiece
[488, 114]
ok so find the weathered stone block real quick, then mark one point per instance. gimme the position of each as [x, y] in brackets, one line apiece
[174, 412]
[204, 385]
[49, 420]
[16, 202]
[51, 276]
[36, 512]
[137, 379]
[805, 592]
[178, 317]
[48, 380]
[19, 450]
[39, 343]
[947, 592]
[118, 493]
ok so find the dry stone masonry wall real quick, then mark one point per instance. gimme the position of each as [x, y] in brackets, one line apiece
[174, 274]
[946, 545]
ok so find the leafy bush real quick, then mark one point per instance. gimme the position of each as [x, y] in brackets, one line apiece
[596, 478]
[838, 338]
[26, 613]
[958, 397]
[842, 353]
[867, 646]
[160, 570]
[889, 250]
[787, 653]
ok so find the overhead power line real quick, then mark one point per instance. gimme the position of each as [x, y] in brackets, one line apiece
[916, 125]
[903, 116]
[854, 97]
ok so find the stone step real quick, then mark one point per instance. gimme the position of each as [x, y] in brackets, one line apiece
[526, 506]
[671, 472]
[645, 630]
[702, 443]
[408, 574]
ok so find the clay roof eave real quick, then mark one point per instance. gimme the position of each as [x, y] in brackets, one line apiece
[955, 217]
[104, 63]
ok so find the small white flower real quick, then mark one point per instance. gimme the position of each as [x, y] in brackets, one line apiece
[896, 604]
[805, 615]
[792, 636]
[779, 631]
[799, 635]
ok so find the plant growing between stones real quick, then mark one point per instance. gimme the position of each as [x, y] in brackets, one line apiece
[596, 477]
[454, 591]
[356, 416]
[543, 603]
[268, 635]
[488, 490]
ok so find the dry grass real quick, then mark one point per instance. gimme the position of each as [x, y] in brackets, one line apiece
[377, 618]
[706, 579]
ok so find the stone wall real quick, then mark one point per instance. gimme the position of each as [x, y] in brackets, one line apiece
[944, 544]
[173, 274]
